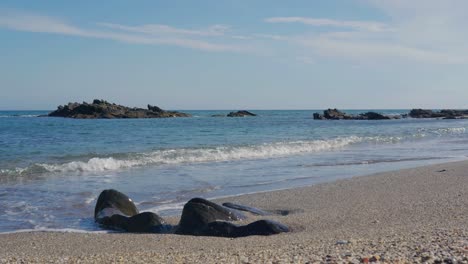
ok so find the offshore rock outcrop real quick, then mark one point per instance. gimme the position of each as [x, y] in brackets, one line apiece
[335, 114]
[240, 114]
[104, 109]
[445, 114]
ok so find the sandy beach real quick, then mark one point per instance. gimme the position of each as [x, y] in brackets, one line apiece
[405, 216]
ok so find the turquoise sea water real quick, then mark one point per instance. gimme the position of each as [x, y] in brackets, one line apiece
[53, 169]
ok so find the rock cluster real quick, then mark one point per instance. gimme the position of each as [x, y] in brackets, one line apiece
[104, 109]
[200, 217]
[335, 114]
[240, 114]
[445, 114]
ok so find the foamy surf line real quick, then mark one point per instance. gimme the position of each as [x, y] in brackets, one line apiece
[218, 153]
[191, 155]
[59, 230]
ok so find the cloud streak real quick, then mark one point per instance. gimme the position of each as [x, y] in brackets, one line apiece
[320, 22]
[157, 29]
[146, 34]
[426, 31]
[414, 31]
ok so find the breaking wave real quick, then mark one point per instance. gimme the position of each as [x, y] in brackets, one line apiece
[24, 116]
[215, 153]
[194, 155]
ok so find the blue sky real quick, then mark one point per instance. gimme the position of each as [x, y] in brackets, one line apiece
[235, 54]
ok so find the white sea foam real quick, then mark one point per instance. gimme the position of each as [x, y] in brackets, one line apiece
[59, 230]
[8, 116]
[442, 131]
[197, 155]
[451, 130]
[218, 153]
[166, 207]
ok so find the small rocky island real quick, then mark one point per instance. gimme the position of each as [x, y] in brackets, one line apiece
[240, 114]
[335, 114]
[445, 114]
[104, 109]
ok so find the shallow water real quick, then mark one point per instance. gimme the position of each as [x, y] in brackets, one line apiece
[53, 169]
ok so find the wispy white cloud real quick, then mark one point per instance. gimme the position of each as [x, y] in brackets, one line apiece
[320, 22]
[420, 31]
[371, 50]
[145, 34]
[157, 29]
[427, 31]
[36, 23]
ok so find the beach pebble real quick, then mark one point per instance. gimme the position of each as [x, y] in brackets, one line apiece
[342, 242]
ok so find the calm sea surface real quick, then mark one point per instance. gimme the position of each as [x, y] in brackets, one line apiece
[53, 169]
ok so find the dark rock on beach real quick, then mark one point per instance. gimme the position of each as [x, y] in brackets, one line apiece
[115, 201]
[335, 114]
[257, 228]
[200, 217]
[245, 208]
[115, 210]
[198, 212]
[241, 114]
[445, 114]
[104, 109]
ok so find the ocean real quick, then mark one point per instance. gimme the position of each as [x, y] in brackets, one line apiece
[53, 169]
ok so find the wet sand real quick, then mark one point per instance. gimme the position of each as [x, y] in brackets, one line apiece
[412, 215]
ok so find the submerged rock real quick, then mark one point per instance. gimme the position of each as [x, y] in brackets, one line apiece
[240, 114]
[104, 109]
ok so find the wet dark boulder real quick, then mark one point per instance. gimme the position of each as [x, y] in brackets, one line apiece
[198, 212]
[240, 114]
[200, 217]
[104, 109]
[145, 222]
[258, 228]
[113, 201]
[245, 208]
[115, 210]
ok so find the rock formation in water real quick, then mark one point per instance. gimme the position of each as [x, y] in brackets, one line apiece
[240, 114]
[335, 114]
[104, 109]
[445, 114]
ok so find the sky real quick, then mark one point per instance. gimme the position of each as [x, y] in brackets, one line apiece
[243, 54]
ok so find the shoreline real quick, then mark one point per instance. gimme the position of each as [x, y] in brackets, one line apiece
[417, 214]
